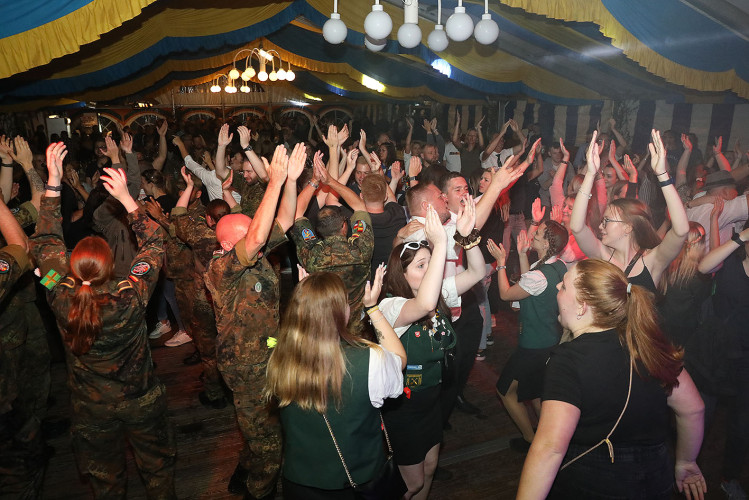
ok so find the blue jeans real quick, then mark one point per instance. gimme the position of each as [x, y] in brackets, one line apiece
[641, 472]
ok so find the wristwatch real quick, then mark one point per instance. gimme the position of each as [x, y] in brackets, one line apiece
[248, 148]
[57, 188]
[737, 239]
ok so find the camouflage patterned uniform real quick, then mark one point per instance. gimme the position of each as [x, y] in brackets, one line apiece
[252, 194]
[202, 240]
[14, 263]
[246, 293]
[349, 258]
[114, 392]
[26, 214]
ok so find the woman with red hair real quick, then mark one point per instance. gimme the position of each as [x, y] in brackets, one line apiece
[114, 392]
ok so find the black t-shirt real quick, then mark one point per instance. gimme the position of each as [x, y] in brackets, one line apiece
[732, 295]
[167, 203]
[592, 373]
[385, 226]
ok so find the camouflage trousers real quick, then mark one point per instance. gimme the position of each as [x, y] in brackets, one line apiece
[34, 378]
[202, 327]
[260, 426]
[99, 433]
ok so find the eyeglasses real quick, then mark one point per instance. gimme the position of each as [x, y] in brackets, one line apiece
[414, 245]
[606, 220]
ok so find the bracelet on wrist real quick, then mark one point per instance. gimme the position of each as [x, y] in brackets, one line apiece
[57, 189]
[464, 241]
[373, 309]
[580, 191]
[313, 184]
[662, 173]
[667, 182]
[501, 267]
[248, 148]
[737, 239]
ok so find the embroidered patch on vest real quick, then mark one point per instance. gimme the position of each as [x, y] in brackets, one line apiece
[258, 287]
[140, 268]
[308, 234]
[359, 227]
[4, 266]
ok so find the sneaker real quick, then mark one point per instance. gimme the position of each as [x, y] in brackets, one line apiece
[480, 355]
[179, 338]
[733, 490]
[490, 340]
[161, 329]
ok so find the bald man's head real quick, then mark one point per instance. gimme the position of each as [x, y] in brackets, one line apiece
[231, 229]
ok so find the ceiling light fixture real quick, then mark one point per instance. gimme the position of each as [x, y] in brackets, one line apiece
[459, 25]
[334, 30]
[409, 33]
[487, 30]
[377, 24]
[437, 39]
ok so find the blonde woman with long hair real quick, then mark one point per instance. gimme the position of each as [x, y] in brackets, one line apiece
[320, 370]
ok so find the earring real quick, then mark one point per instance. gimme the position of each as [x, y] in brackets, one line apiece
[579, 316]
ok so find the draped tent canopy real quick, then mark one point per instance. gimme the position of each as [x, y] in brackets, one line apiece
[565, 52]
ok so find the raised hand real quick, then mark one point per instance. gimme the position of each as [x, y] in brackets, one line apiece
[71, 178]
[331, 140]
[6, 150]
[718, 147]
[686, 142]
[414, 166]
[362, 139]
[427, 125]
[55, 154]
[433, 228]
[351, 158]
[163, 128]
[343, 135]
[657, 153]
[504, 210]
[565, 153]
[153, 209]
[497, 251]
[466, 216]
[115, 182]
[717, 207]
[556, 214]
[433, 125]
[224, 137]
[372, 290]
[244, 136]
[478, 124]
[630, 168]
[537, 210]
[612, 123]
[396, 171]
[278, 167]
[22, 155]
[524, 244]
[226, 184]
[112, 152]
[376, 163]
[296, 161]
[612, 152]
[321, 173]
[593, 155]
[126, 143]
[187, 177]
[533, 151]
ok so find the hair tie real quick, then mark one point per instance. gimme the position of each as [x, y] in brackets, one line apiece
[85, 283]
[629, 288]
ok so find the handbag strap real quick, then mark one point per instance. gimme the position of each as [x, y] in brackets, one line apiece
[616, 424]
[338, 449]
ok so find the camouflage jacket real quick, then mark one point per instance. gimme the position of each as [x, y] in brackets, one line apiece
[118, 366]
[252, 194]
[349, 258]
[195, 233]
[180, 261]
[13, 263]
[26, 214]
[245, 296]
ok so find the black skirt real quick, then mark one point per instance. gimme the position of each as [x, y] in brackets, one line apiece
[527, 366]
[414, 425]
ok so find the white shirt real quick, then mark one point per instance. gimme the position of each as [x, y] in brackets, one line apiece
[385, 377]
[391, 307]
[733, 216]
[534, 282]
[211, 182]
[452, 158]
[453, 264]
[496, 159]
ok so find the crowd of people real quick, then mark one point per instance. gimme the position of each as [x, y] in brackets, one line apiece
[399, 249]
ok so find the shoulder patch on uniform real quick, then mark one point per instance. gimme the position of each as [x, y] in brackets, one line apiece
[124, 285]
[359, 226]
[4, 266]
[140, 268]
[353, 237]
[68, 282]
[51, 279]
[308, 234]
[258, 287]
[218, 253]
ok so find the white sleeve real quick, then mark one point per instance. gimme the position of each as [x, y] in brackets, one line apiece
[385, 376]
[533, 282]
[450, 292]
[210, 181]
[391, 307]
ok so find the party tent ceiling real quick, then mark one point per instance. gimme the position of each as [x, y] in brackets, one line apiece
[566, 52]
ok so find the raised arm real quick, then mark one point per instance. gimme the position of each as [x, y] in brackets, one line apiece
[133, 168]
[184, 199]
[720, 159]
[620, 173]
[587, 241]
[226, 190]
[493, 143]
[506, 291]
[257, 234]
[673, 242]
[10, 229]
[681, 167]
[456, 131]
[518, 148]
[363, 147]
[501, 180]
[716, 256]
[619, 137]
[386, 336]
[23, 157]
[480, 132]
[287, 208]
[430, 288]
[476, 268]
[158, 162]
[396, 174]
[407, 147]
[351, 198]
[556, 190]
[224, 139]
[255, 162]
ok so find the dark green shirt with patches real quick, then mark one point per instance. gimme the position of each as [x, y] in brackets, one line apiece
[245, 297]
[118, 366]
[349, 258]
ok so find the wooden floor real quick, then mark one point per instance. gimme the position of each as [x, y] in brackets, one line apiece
[475, 451]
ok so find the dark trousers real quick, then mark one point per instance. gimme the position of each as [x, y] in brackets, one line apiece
[468, 330]
[737, 427]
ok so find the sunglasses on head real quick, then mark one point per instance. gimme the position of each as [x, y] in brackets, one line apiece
[414, 245]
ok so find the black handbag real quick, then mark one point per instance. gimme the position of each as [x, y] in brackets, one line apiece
[387, 485]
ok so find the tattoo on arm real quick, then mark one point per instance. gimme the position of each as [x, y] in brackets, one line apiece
[379, 334]
[36, 182]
